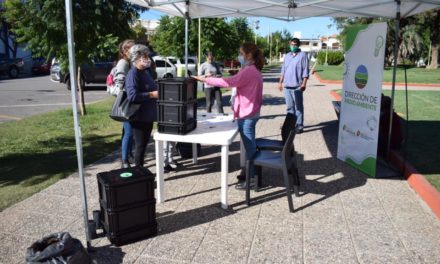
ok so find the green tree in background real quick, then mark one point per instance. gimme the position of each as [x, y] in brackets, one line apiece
[431, 23]
[417, 33]
[139, 33]
[217, 35]
[412, 42]
[97, 26]
[241, 29]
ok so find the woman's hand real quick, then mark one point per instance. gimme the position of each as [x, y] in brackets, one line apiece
[200, 78]
[154, 94]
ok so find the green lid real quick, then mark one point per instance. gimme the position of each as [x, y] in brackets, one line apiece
[126, 174]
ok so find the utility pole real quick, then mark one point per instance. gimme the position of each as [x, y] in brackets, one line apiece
[270, 47]
[200, 48]
[276, 49]
[326, 52]
[256, 25]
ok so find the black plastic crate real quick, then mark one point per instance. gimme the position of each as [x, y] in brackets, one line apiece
[177, 89]
[177, 129]
[116, 191]
[141, 233]
[130, 223]
[129, 218]
[176, 113]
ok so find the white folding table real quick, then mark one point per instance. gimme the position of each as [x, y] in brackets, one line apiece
[212, 129]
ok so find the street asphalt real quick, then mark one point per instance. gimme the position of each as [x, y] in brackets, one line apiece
[33, 95]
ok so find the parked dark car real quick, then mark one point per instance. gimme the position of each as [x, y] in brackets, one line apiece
[11, 67]
[231, 63]
[97, 73]
[41, 66]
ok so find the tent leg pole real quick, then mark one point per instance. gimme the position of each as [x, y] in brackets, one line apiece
[186, 38]
[393, 87]
[73, 83]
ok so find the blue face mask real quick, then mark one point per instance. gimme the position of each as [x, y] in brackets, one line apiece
[242, 60]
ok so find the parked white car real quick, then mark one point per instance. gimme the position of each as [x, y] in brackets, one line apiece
[164, 67]
[192, 64]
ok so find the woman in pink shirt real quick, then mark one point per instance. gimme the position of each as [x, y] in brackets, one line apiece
[249, 98]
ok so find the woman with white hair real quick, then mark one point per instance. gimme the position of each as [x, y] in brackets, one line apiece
[141, 89]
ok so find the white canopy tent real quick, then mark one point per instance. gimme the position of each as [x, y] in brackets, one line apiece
[288, 10]
[277, 9]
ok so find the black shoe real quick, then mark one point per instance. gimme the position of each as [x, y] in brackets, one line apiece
[125, 165]
[242, 176]
[168, 168]
[299, 130]
[242, 185]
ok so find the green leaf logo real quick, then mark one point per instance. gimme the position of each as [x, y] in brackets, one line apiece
[361, 76]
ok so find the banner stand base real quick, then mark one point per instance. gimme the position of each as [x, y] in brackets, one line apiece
[385, 170]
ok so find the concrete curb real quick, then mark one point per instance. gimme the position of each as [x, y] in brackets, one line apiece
[383, 83]
[416, 180]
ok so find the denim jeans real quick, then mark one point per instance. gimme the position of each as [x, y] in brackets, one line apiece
[246, 127]
[294, 103]
[127, 141]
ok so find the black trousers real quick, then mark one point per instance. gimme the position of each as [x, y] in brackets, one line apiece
[213, 94]
[141, 135]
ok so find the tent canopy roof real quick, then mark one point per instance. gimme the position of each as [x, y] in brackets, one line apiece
[288, 10]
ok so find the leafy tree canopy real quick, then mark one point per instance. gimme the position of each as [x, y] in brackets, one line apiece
[417, 33]
[217, 35]
[98, 26]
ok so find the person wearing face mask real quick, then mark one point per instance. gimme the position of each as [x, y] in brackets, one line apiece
[141, 89]
[249, 84]
[122, 68]
[294, 76]
[212, 93]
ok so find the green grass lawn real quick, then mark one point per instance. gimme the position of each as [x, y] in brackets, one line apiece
[38, 151]
[423, 130]
[414, 75]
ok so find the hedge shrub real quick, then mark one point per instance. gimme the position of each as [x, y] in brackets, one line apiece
[333, 57]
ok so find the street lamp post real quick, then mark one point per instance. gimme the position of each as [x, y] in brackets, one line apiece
[270, 47]
[256, 25]
[326, 52]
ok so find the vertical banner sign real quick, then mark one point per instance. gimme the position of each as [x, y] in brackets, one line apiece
[361, 96]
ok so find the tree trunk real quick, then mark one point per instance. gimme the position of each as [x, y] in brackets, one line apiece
[435, 39]
[82, 105]
[434, 57]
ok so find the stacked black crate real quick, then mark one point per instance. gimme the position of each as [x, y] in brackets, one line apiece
[128, 206]
[177, 105]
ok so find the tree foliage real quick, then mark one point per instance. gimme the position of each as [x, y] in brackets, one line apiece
[97, 25]
[217, 35]
[417, 33]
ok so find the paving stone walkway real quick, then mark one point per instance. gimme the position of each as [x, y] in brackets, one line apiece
[341, 215]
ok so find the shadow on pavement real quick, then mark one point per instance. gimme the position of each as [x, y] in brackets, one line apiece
[107, 255]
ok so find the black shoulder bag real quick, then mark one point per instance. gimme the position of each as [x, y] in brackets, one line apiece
[122, 109]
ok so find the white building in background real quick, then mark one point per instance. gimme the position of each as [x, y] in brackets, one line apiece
[313, 45]
[150, 26]
[331, 42]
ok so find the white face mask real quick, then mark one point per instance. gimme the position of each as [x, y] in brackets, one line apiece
[242, 60]
[144, 63]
